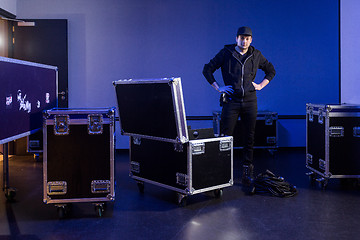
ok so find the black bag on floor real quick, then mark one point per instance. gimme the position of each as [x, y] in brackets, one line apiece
[269, 184]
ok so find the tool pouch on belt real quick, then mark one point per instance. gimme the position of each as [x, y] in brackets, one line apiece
[224, 98]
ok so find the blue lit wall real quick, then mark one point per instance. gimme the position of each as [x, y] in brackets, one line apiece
[119, 39]
[350, 56]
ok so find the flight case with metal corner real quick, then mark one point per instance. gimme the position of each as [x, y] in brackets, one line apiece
[35, 144]
[78, 165]
[197, 166]
[152, 113]
[266, 132]
[332, 142]
[152, 108]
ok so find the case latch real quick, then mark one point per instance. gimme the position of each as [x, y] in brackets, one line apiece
[136, 141]
[225, 145]
[181, 179]
[356, 131]
[311, 113]
[95, 124]
[135, 167]
[269, 120]
[197, 148]
[62, 124]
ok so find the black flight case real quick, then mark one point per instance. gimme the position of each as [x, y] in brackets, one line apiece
[163, 150]
[266, 131]
[78, 157]
[332, 141]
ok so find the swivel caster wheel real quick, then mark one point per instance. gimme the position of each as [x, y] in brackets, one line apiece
[10, 194]
[312, 177]
[99, 209]
[181, 199]
[218, 193]
[140, 186]
[37, 157]
[323, 182]
[62, 211]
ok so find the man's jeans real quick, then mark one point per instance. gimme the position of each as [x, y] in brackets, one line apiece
[248, 114]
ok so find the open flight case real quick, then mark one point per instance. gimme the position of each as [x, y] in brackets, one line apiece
[163, 150]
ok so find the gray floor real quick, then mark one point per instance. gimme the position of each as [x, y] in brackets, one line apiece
[333, 213]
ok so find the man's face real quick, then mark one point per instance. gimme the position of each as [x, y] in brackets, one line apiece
[243, 41]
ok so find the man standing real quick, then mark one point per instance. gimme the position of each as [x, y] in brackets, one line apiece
[239, 63]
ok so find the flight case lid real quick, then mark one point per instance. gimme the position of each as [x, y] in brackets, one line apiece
[152, 108]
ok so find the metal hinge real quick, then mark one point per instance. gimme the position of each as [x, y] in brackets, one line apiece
[321, 116]
[322, 164]
[309, 159]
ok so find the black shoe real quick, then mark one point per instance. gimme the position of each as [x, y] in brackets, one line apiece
[248, 175]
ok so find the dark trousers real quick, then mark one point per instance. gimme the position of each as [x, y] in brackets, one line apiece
[248, 114]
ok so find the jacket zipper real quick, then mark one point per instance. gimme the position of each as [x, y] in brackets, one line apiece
[242, 75]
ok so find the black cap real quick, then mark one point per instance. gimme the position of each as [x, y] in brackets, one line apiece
[244, 31]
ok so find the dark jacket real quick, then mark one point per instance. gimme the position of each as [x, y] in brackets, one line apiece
[236, 74]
